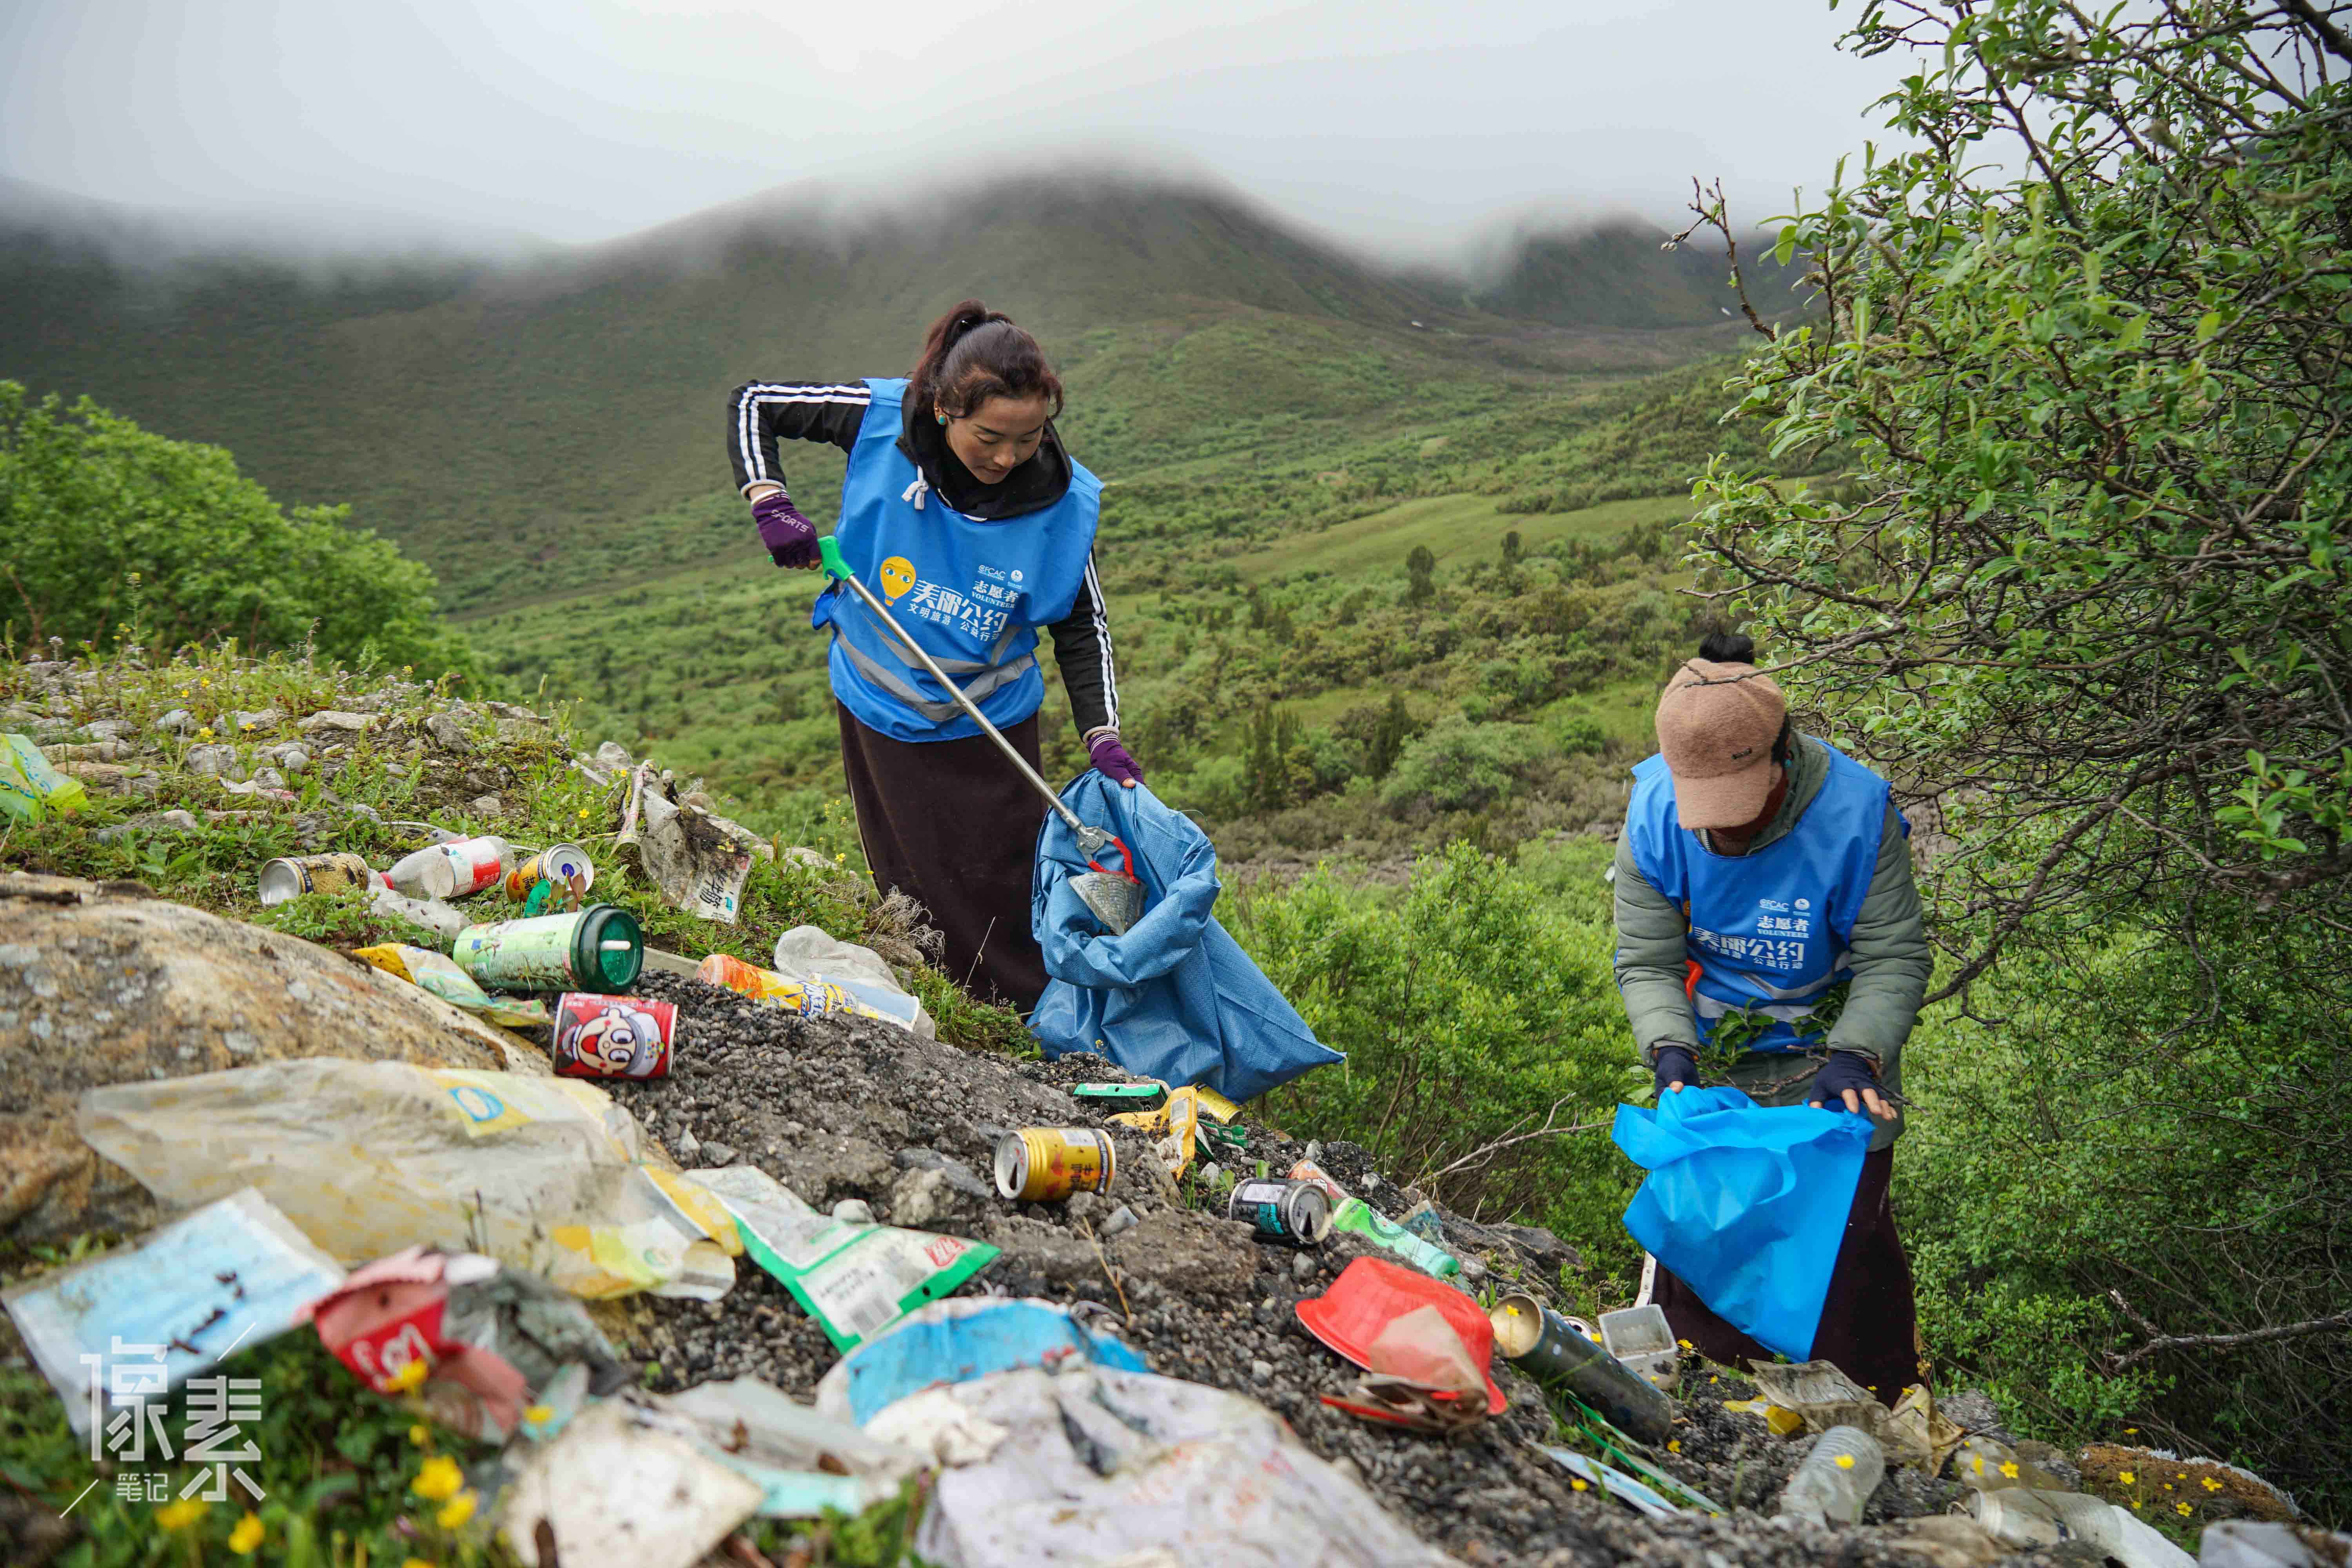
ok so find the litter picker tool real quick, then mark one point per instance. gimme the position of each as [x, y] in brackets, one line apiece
[1115, 896]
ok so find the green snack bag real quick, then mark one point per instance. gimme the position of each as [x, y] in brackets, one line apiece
[854, 1280]
[30, 789]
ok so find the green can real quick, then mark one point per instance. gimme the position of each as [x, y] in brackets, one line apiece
[600, 948]
[1122, 1096]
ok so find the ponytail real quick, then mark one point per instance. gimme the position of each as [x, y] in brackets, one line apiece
[974, 353]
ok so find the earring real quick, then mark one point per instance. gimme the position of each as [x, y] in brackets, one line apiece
[942, 418]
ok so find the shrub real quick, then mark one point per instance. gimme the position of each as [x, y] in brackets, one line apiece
[1456, 765]
[1470, 1009]
[107, 524]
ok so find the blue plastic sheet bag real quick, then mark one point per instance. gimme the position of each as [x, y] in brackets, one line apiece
[955, 1341]
[1746, 1205]
[1175, 998]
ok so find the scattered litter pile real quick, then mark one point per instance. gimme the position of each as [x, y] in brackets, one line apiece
[760, 1240]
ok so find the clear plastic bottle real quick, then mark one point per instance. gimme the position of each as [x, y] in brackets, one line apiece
[453, 869]
[1837, 1477]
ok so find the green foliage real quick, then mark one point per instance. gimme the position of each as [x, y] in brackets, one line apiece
[1456, 765]
[115, 532]
[2088, 345]
[2093, 567]
[2124, 1128]
[1472, 1009]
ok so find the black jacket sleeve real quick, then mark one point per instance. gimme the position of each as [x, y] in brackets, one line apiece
[1082, 649]
[760, 413]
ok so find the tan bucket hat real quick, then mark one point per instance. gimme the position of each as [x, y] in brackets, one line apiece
[1716, 723]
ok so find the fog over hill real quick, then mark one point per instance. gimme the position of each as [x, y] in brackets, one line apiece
[484, 411]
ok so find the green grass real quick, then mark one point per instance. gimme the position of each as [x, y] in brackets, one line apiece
[1454, 528]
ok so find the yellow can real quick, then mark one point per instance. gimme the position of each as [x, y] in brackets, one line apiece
[1047, 1164]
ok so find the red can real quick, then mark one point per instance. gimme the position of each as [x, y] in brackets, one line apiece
[612, 1037]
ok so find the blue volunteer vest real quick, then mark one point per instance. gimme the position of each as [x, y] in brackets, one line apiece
[1768, 930]
[970, 593]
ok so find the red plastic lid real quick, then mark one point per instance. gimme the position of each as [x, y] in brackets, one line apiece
[1371, 1294]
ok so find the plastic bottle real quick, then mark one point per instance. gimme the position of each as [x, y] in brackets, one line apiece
[1837, 1477]
[454, 869]
[1356, 1214]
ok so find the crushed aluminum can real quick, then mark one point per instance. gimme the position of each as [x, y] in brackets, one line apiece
[611, 1036]
[1296, 1212]
[565, 864]
[1047, 1164]
[292, 875]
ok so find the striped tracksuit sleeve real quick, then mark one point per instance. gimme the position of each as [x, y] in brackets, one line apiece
[761, 412]
[1082, 650]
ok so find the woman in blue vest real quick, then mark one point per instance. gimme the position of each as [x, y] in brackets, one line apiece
[1764, 886]
[961, 509]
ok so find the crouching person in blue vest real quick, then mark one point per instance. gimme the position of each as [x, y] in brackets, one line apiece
[1764, 885]
[963, 513]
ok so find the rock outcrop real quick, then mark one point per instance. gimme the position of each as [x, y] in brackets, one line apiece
[102, 981]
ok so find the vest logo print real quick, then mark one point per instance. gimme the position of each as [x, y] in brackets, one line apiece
[1764, 953]
[949, 608]
[898, 574]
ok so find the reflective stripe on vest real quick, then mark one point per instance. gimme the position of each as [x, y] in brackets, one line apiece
[987, 677]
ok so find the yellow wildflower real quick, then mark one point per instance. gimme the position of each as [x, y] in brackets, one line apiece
[539, 1413]
[415, 1562]
[421, 1434]
[584, 814]
[247, 1535]
[206, 734]
[407, 1377]
[2127, 1478]
[2009, 1469]
[2135, 1503]
[1579, 1484]
[206, 682]
[1675, 1446]
[438, 1479]
[1685, 1343]
[2180, 1475]
[181, 1514]
[1712, 1378]
[2183, 1508]
[2167, 1486]
[2210, 1485]
[2131, 1431]
[456, 1511]
[1845, 1461]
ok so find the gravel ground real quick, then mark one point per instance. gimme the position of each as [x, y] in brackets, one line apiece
[855, 1109]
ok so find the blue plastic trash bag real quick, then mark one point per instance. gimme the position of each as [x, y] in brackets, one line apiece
[1746, 1205]
[955, 1341]
[1175, 998]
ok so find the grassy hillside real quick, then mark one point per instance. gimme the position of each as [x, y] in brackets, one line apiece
[525, 429]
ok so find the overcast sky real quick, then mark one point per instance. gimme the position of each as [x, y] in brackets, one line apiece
[1409, 125]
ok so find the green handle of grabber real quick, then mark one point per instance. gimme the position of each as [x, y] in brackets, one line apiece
[829, 550]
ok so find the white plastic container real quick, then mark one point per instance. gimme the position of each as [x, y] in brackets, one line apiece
[1641, 1339]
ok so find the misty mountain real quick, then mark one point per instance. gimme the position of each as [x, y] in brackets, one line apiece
[487, 414]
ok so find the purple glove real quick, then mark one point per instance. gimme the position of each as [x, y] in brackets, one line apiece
[790, 538]
[1111, 760]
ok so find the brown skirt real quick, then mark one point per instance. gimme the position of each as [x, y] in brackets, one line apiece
[951, 825]
[1869, 1328]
